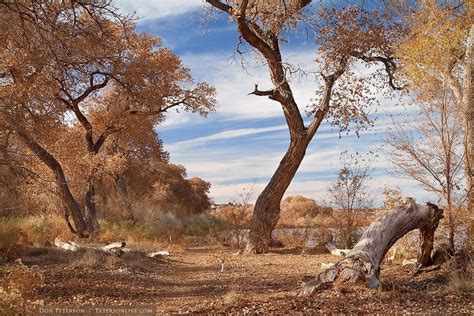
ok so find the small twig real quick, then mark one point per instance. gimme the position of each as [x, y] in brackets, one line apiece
[219, 260]
[426, 269]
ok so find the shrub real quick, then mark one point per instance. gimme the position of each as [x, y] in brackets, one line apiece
[42, 230]
[461, 276]
[10, 239]
[92, 258]
[164, 226]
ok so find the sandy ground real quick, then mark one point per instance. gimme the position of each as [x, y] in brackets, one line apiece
[190, 281]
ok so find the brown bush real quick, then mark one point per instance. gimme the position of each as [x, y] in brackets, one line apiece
[299, 211]
[11, 239]
[19, 289]
[92, 258]
[239, 217]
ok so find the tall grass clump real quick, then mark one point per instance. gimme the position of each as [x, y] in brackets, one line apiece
[11, 239]
[42, 230]
[164, 227]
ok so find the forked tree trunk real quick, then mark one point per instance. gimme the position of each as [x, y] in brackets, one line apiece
[362, 264]
[267, 207]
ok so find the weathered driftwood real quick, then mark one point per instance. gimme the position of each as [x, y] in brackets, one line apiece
[116, 247]
[162, 253]
[393, 255]
[221, 262]
[66, 245]
[336, 251]
[362, 264]
[407, 262]
[327, 265]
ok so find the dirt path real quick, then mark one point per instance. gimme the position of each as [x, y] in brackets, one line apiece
[191, 281]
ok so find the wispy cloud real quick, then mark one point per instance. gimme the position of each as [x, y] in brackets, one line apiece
[235, 133]
[153, 9]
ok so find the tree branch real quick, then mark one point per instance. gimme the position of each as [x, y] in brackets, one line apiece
[390, 67]
[268, 93]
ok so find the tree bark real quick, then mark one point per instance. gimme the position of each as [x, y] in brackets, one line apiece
[90, 208]
[267, 206]
[362, 264]
[121, 186]
[469, 116]
[70, 203]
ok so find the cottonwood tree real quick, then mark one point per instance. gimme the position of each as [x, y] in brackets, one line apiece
[350, 195]
[81, 63]
[173, 192]
[436, 52]
[431, 152]
[344, 35]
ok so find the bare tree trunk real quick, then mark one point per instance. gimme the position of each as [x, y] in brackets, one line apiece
[63, 187]
[121, 186]
[469, 113]
[362, 264]
[90, 208]
[267, 206]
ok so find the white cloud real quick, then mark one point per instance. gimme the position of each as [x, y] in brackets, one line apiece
[232, 165]
[187, 144]
[234, 83]
[154, 9]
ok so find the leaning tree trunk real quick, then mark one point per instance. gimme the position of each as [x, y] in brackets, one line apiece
[70, 203]
[362, 264]
[267, 207]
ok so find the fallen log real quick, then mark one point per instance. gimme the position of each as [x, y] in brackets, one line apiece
[66, 245]
[362, 264]
[162, 253]
[115, 245]
[115, 248]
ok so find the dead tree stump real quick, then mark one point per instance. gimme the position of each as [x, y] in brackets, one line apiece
[362, 264]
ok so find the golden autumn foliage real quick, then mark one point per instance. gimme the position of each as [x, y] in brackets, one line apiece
[432, 48]
[76, 79]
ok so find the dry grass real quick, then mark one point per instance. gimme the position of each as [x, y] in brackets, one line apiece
[42, 230]
[461, 283]
[18, 233]
[92, 258]
[11, 243]
[19, 289]
[461, 278]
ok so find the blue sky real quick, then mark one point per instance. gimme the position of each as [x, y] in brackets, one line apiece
[241, 144]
